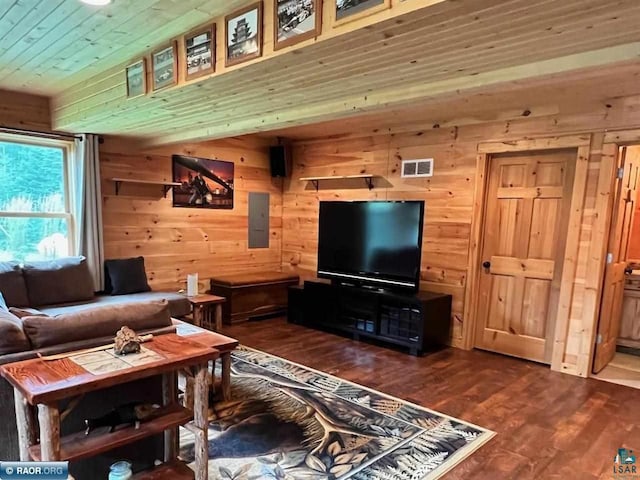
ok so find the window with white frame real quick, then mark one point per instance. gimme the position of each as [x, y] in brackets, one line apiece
[35, 215]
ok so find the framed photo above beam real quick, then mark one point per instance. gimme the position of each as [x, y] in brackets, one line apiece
[200, 52]
[137, 78]
[164, 66]
[295, 21]
[243, 34]
[349, 10]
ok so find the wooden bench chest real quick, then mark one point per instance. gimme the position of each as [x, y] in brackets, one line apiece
[252, 294]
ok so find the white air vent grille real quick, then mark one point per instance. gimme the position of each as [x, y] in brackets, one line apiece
[417, 168]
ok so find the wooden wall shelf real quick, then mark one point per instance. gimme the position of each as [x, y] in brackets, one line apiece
[368, 178]
[78, 445]
[166, 186]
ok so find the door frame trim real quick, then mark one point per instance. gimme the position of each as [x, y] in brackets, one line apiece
[583, 145]
[612, 143]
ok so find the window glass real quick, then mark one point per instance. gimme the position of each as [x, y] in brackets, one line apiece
[26, 239]
[34, 216]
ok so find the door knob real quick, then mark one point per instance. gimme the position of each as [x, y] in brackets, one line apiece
[628, 271]
[486, 264]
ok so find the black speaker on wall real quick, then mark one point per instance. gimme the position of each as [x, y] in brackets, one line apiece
[280, 160]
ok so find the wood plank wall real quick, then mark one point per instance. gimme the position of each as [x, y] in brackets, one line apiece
[179, 241]
[449, 201]
[21, 110]
[448, 196]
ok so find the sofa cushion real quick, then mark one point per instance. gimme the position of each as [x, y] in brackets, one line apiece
[179, 305]
[95, 322]
[12, 336]
[125, 275]
[12, 285]
[58, 281]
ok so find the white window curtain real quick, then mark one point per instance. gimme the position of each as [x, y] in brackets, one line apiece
[87, 206]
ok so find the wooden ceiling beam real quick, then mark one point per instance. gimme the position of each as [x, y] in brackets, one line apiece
[415, 51]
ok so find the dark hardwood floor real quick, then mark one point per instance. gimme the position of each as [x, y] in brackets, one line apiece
[549, 425]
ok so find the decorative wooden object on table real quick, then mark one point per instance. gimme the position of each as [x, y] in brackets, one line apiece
[40, 385]
[207, 311]
[224, 345]
[253, 294]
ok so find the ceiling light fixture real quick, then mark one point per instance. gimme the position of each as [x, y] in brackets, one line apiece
[96, 2]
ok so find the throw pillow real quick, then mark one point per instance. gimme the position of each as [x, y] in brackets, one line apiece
[12, 284]
[126, 275]
[96, 323]
[65, 280]
[12, 336]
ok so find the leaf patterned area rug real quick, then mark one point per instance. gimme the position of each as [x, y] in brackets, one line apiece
[288, 422]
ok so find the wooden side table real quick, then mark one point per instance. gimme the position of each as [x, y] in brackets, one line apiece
[40, 384]
[207, 311]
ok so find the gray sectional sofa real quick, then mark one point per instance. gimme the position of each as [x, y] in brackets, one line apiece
[50, 307]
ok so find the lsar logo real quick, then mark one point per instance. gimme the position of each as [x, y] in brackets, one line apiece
[624, 465]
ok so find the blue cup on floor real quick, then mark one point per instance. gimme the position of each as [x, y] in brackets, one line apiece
[120, 471]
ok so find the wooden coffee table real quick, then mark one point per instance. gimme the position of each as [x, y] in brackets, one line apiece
[223, 344]
[39, 384]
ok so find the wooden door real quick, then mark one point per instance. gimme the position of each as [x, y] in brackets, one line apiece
[527, 210]
[619, 239]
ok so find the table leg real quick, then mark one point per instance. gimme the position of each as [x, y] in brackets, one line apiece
[26, 424]
[197, 315]
[218, 317]
[226, 376]
[201, 421]
[49, 419]
[169, 397]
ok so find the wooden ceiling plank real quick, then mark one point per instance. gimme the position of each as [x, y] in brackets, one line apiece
[201, 100]
[192, 105]
[12, 18]
[158, 29]
[340, 72]
[24, 24]
[220, 58]
[6, 7]
[80, 30]
[354, 106]
[409, 28]
[157, 25]
[15, 57]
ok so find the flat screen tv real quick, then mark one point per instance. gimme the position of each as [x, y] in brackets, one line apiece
[371, 243]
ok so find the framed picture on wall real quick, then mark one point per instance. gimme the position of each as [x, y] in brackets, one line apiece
[137, 78]
[295, 21]
[164, 65]
[348, 10]
[200, 52]
[204, 183]
[244, 34]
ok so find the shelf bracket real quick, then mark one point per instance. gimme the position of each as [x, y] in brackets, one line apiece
[369, 182]
[165, 190]
[117, 187]
[316, 183]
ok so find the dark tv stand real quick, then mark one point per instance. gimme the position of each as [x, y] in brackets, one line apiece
[416, 321]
